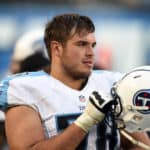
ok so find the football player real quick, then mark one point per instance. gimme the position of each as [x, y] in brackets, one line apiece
[61, 110]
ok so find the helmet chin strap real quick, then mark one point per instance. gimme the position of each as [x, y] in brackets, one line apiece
[134, 141]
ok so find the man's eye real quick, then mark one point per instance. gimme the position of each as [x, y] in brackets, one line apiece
[81, 43]
[93, 45]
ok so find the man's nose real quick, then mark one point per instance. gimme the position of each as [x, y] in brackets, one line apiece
[90, 51]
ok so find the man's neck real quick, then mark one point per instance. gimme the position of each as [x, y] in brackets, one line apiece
[77, 84]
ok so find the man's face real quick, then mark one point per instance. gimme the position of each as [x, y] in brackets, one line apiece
[78, 55]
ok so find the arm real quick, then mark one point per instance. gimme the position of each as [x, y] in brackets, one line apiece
[24, 132]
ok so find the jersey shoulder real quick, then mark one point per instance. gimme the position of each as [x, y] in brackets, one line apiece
[103, 75]
[107, 73]
[14, 87]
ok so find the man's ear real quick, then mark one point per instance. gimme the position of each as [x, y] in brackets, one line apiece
[56, 48]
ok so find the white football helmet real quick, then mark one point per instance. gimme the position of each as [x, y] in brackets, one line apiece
[133, 94]
[28, 44]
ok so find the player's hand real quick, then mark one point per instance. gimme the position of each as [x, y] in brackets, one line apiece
[97, 106]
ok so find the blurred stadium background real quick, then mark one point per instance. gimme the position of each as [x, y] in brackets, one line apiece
[122, 28]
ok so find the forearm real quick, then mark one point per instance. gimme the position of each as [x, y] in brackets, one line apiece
[69, 139]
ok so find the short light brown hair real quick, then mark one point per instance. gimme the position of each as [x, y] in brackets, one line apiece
[60, 28]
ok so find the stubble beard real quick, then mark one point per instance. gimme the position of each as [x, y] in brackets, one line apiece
[75, 74]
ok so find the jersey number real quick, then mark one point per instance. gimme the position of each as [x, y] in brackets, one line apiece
[64, 121]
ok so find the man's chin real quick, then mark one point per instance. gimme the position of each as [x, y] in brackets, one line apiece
[85, 74]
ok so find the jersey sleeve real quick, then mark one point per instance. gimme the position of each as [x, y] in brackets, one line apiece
[17, 91]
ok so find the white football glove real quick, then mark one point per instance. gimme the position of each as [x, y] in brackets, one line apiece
[95, 110]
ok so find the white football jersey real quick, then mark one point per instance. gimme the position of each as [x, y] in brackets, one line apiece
[57, 104]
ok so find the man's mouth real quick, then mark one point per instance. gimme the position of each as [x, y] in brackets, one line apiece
[88, 63]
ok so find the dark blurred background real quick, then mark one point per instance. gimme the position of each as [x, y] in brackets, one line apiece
[122, 28]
